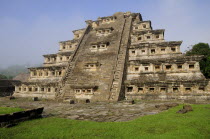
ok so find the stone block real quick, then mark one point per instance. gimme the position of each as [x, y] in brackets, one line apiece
[35, 98]
[83, 100]
[188, 107]
[190, 101]
[172, 105]
[163, 107]
[129, 102]
[182, 111]
[72, 102]
[87, 101]
[11, 97]
[166, 106]
[11, 119]
[10, 125]
[4, 117]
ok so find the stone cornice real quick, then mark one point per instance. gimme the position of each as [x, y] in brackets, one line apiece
[158, 44]
[40, 83]
[69, 41]
[167, 83]
[142, 32]
[104, 28]
[48, 67]
[83, 29]
[178, 60]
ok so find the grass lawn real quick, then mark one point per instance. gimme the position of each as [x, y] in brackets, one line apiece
[7, 110]
[167, 124]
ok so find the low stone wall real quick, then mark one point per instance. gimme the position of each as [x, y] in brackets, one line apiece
[32, 95]
[11, 119]
[197, 97]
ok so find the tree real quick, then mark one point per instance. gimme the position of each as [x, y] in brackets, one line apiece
[3, 76]
[12, 71]
[202, 49]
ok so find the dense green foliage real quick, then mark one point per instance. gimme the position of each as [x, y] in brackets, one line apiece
[202, 49]
[12, 71]
[3, 76]
[168, 124]
[7, 110]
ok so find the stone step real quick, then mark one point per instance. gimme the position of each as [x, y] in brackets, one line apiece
[67, 95]
[118, 68]
[114, 85]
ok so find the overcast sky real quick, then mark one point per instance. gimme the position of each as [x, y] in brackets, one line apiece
[31, 28]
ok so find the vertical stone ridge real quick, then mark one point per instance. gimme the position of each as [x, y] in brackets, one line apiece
[116, 92]
[69, 67]
[101, 79]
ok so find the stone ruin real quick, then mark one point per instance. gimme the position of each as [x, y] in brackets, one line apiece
[114, 58]
[9, 120]
[7, 87]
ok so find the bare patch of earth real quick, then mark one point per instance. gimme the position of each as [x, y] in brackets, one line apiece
[100, 111]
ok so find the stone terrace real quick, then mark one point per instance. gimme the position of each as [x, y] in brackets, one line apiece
[100, 112]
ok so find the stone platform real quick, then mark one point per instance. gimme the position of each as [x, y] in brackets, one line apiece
[100, 112]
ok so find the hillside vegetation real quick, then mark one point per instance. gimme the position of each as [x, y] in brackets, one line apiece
[12, 71]
[202, 49]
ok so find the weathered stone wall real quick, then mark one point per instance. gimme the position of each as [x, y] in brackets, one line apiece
[142, 25]
[147, 36]
[33, 89]
[78, 33]
[47, 72]
[169, 90]
[164, 71]
[154, 50]
[11, 119]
